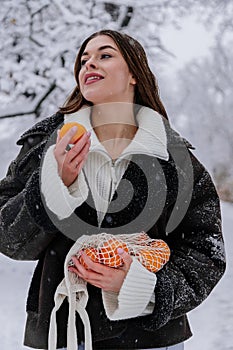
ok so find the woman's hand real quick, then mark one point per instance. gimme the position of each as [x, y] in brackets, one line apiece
[71, 162]
[102, 276]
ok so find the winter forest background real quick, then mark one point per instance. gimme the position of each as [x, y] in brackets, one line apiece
[39, 40]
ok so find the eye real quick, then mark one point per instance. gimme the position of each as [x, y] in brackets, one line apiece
[83, 62]
[106, 55]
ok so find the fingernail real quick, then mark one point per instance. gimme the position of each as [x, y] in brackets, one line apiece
[120, 250]
[74, 129]
[88, 133]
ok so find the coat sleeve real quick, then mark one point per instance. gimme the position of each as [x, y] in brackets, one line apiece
[197, 259]
[25, 228]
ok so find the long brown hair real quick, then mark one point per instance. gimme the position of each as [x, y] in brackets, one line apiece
[146, 89]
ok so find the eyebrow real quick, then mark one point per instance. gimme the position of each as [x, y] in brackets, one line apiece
[100, 49]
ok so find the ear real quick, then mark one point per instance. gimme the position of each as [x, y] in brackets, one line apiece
[133, 81]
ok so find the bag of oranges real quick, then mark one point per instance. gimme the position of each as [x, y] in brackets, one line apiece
[102, 248]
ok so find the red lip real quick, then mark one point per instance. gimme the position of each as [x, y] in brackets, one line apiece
[92, 78]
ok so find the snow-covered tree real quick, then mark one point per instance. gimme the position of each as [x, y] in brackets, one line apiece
[40, 39]
[204, 106]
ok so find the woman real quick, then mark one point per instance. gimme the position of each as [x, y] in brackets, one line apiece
[130, 172]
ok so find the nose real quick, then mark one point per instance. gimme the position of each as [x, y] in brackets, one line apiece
[91, 63]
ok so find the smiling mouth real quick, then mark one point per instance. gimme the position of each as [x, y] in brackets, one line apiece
[93, 79]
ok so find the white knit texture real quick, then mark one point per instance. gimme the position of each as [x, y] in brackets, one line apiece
[60, 199]
[103, 179]
[135, 295]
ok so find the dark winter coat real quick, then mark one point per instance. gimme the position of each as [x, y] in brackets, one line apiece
[197, 254]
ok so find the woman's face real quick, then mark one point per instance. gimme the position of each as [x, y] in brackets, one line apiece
[104, 75]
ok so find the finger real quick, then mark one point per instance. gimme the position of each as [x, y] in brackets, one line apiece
[95, 266]
[58, 136]
[82, 145]
[95, 281]
[65, 140]
[80, 166]
[126, 258]
[80, 157]
[73, 269]
[88, 274]
[77, 263]
[80, 267]
[81, 163]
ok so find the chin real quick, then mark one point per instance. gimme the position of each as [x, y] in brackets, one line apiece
[92, 98]
[100, 98]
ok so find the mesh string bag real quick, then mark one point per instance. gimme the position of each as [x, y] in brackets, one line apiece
[102, 248]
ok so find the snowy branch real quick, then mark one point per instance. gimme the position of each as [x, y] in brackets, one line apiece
[32, 108]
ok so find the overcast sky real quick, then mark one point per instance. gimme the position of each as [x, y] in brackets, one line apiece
[193, 40]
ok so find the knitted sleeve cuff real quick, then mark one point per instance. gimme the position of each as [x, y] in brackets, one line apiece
[136, 297]
[60, 199]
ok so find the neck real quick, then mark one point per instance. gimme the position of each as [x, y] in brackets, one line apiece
[113, 120]
[114, 125]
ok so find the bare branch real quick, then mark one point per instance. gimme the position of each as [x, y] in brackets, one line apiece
[39, 10]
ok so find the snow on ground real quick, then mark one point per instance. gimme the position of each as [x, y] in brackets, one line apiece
[211, 323]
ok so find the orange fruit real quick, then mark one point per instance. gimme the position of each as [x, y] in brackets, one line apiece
[142, 238]
[155, 256]
[160, 245]
[92, 253]
[108, 252]
[79, 133]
